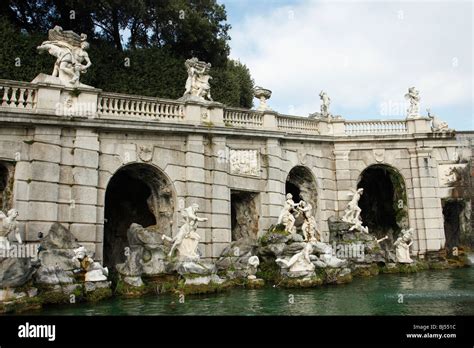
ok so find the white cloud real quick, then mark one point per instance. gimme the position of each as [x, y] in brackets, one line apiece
[361, 53]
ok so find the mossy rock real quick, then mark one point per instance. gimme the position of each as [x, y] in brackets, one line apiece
[197, 289]
[269, 271]
[25, 304]
[98, 294]
[439, 265]
[129, 291]
[365, 272]
[301, 282]
[275, 232]
[254, 283]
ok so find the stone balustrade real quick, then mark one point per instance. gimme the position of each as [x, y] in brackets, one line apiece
[18, 95]
[376, 127]
[46, 98]
[295, 124]
[234, 117]
[123, 105]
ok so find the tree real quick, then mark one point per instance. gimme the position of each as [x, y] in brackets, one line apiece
[159, 36]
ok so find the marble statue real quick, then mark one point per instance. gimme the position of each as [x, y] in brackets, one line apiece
[253, 264]
[309, 227]
[326, 101]
[197, 84]
[94, 270]
[353, 211]
[402, 246]
[69, 49]
[187, 240]
[438, 125]
[299, 262]
[286, 216]
[9, 225]
[413, 96]
[262, 95]
[358, 226]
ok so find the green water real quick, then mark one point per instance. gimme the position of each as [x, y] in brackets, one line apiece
[449, 292]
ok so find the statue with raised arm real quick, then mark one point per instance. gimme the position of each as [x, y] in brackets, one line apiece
[69, 49]
[286, 216]
[326, 101]
[309, 227]
[353, 211]
[402, 246]
[413, 96]
[8, 226]
[187, 240]
[197, 84]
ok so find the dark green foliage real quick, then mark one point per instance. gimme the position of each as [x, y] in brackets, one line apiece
[148, 60]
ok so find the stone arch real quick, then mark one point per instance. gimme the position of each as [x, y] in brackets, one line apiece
[136, 193]
[300, 182]
[384, 202]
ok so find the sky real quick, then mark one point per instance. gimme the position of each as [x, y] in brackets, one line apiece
[363, 54]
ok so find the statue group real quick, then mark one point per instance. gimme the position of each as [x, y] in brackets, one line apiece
[288, 215]
[9, 226]
[69, 49]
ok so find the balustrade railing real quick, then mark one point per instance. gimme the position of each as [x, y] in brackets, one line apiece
[375, 127]
[123, 105]
[18, 95]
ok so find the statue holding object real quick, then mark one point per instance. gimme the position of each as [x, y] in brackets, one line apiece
[197, 84]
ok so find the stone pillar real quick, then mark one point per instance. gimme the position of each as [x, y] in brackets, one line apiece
[343, 180]
[338, 127]
[274, 195]
[86, 215]
[197, 191]
[221, 234]
[270, 120]
[41, 210]
[428, 211]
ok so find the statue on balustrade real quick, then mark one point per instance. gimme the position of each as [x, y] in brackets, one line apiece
[438, 125]
[413, 96]
[69, 49]
[326, 101]
[197, 84]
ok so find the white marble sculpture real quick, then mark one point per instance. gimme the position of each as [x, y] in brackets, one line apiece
[70, 50]
[402, 246]
[262, 94]
[358, 226]
[309, 227]
[286, 216]
[9, 226]
[413, 96]
[353, 211]
[197, 84]
[253, 263]
[299, 262]
[187, 240]
[325, 102]
[94, 270]
[438, 125]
